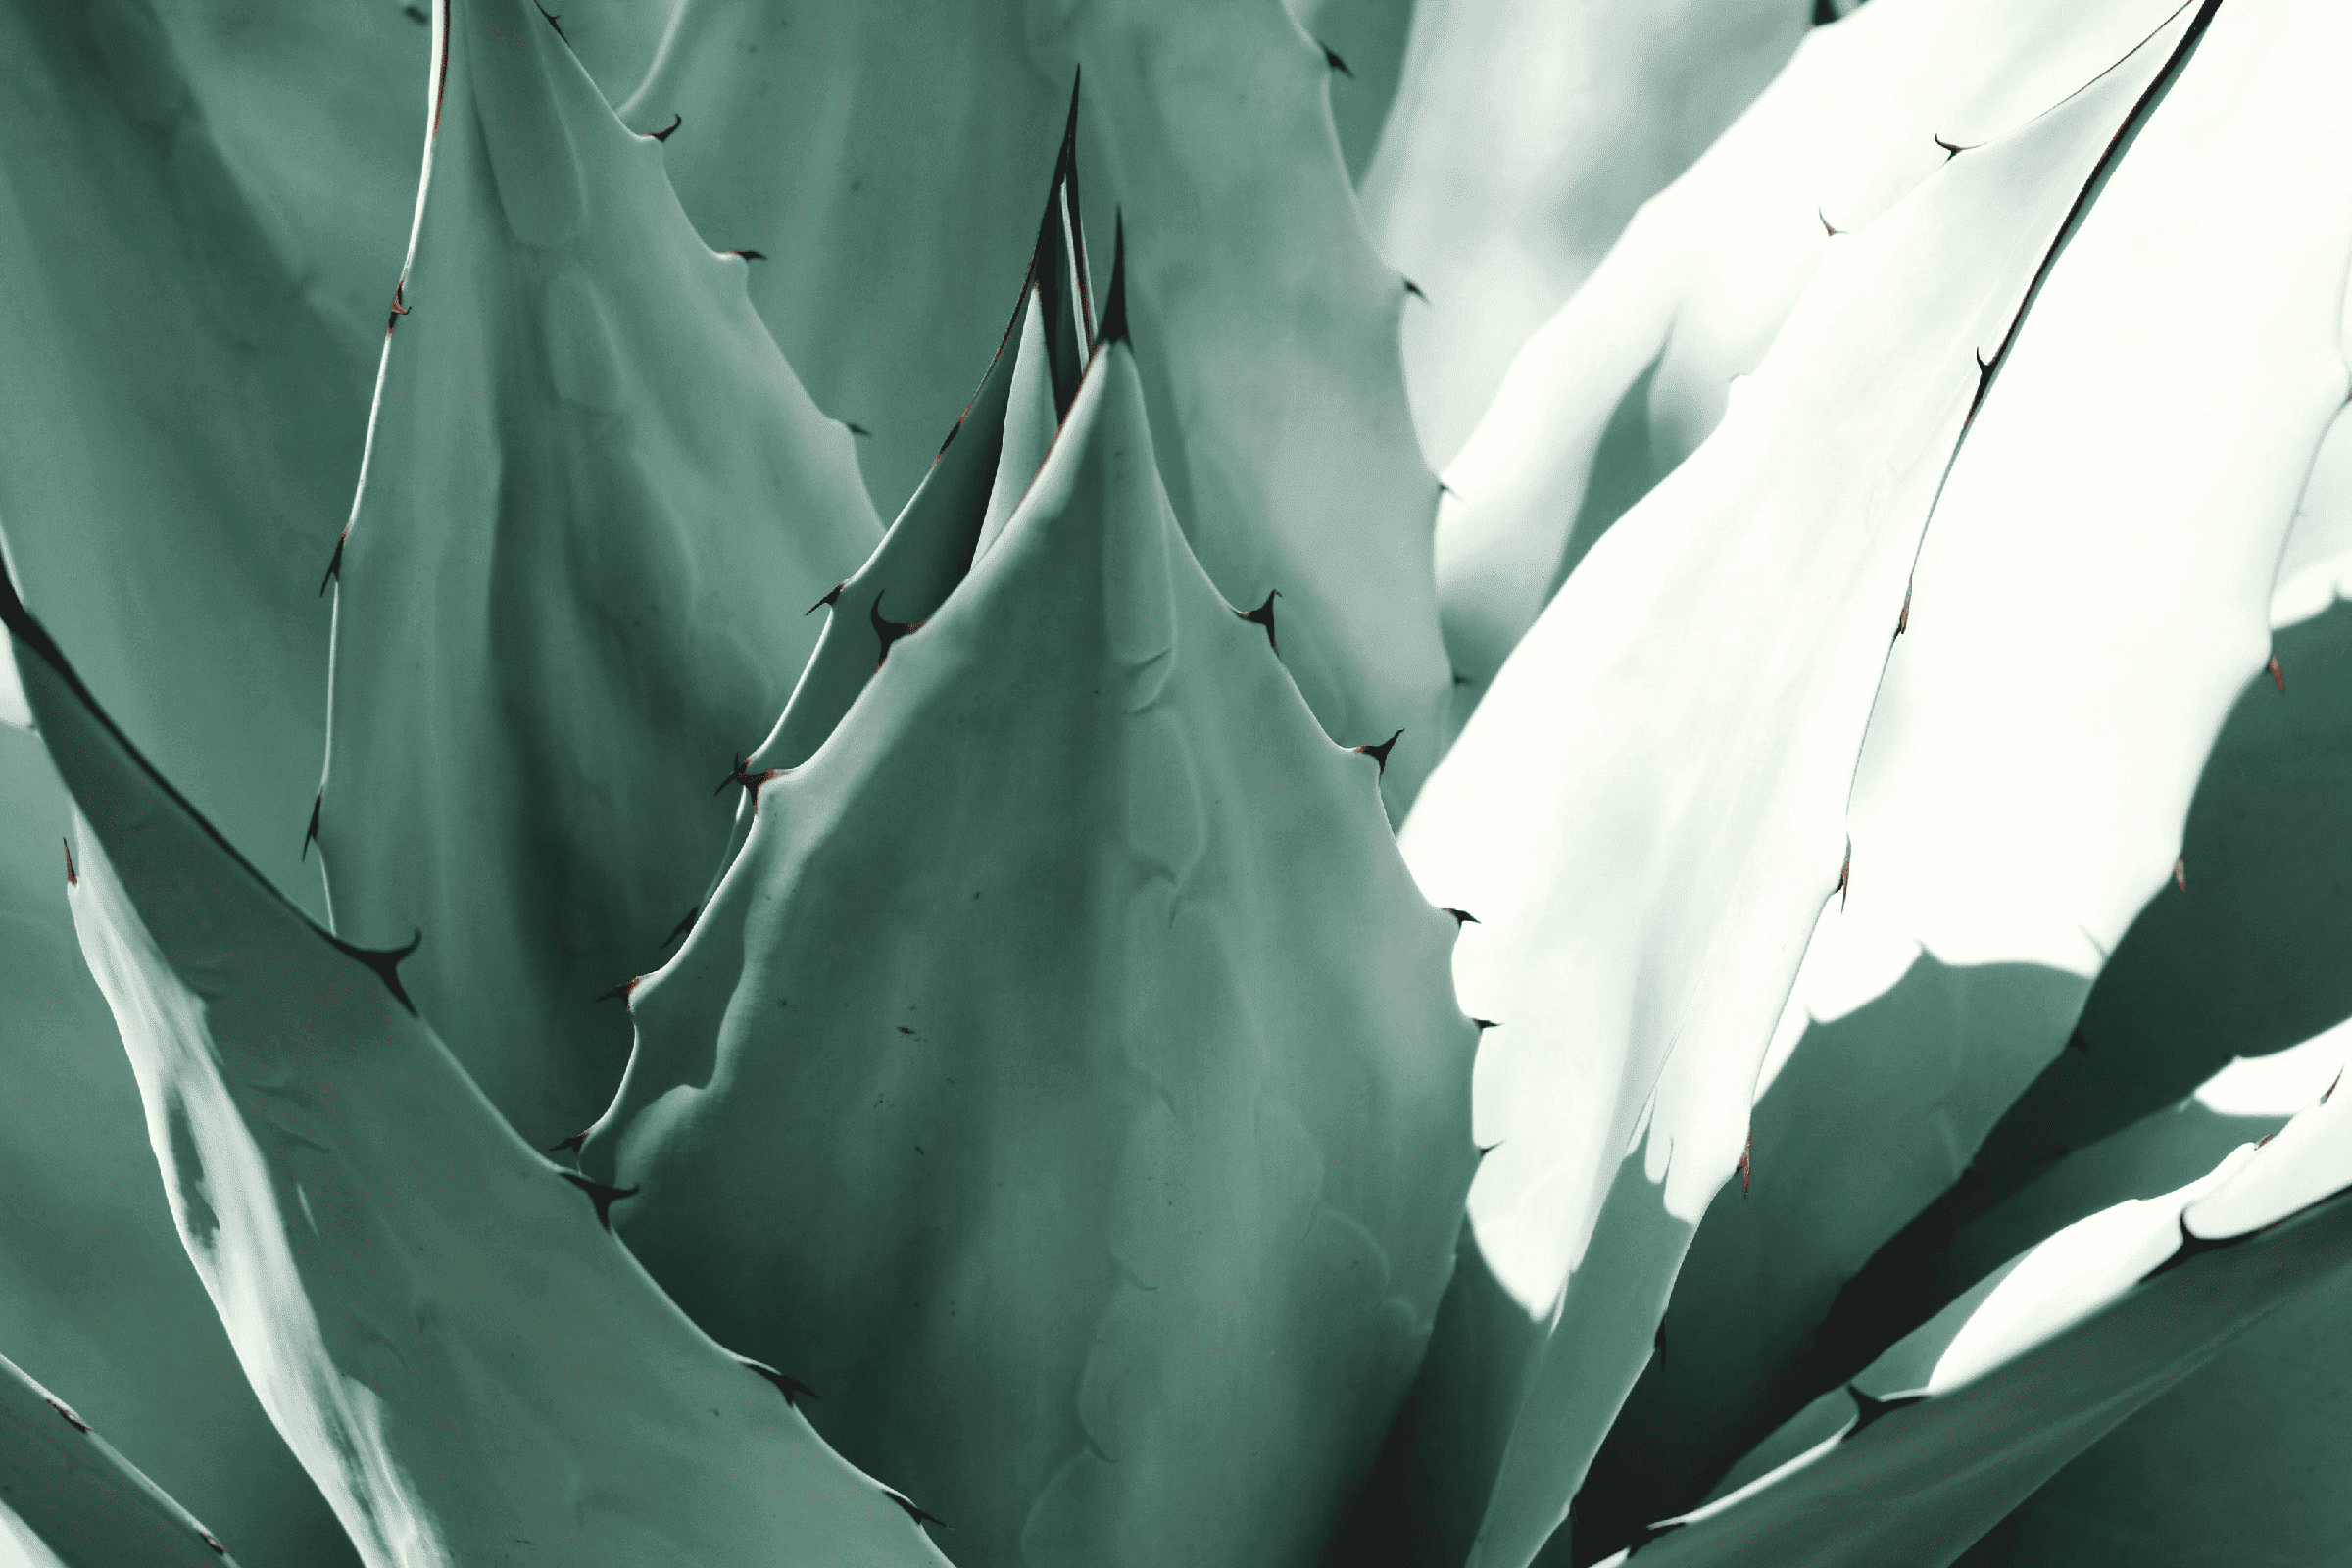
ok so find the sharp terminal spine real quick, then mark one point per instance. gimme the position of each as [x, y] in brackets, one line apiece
[1380, 753]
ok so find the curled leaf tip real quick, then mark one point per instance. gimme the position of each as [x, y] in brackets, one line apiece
[604, 1196]
[1380, 753]
[792, 1388]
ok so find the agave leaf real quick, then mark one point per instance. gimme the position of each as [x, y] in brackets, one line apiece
[181, 410]
[69, 1500]
[2229, 1464]
[595, 508]
[1642, 920]
[95, 1289]
[1958, 1423]
[1271, 369]
[1065, 1078]
[468, 1366]
[1526, 134]
[2019, 797]
[1636, 369]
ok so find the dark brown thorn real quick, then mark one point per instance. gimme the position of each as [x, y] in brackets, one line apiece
[334, 562]
[792, 1388]
[1951, 149]
[854, 429]
[1263, 616]
[206, 1536]
[1902, 622]
[918, 1515]
[1827, 227]
[687, 924]
[1416, 291]
[601, 1194]
[1868, 1409]
[750, 256]
[2180, 873]
[737, 774]
[399, 309]
[1380, 754]
[1446, 489]
[832, 595]
[669, 131]
[1462, 918]
[1331, 58]
[310, 835]
[1748, 1164]
[2278, 675]
[72, 878]
[570, 1143]
[554, 19]
[1483, 1149]
[2333, 1087]
[1485, 1024]
[385, 961]
[78, 1424]
[1113, 328]
[888, 632]
[1845, 874]
[620, 992]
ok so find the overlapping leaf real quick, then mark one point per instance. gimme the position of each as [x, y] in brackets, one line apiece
[1065, 1080]
[468, 1365]
[595, 508]
[1272, 368]
[1648, 810]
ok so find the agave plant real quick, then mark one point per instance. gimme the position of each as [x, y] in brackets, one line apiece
[1755, 976]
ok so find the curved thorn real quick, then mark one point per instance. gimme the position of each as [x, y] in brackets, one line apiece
[687, 924]
[2191, 1245]
[385, 961]
[334, 562]
[792, 1388]
[1868, 1409]
[1380, 754]
[310, 835]
[749, 255]
[72, 878]
[832, 595]
[918, 1515]
[1416, 291]
[602, 1196]
[1463, 918]
[1331, 58]
[1951, 149]
[1485, 1024]
[1263, 616]
[399, 309]
[570, 1143]
[1827, 227]
[206, 1536]
[669, 131]
[855, 429]
[554, 20]
[77, 1423]
[619, 993]
[888, 632]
